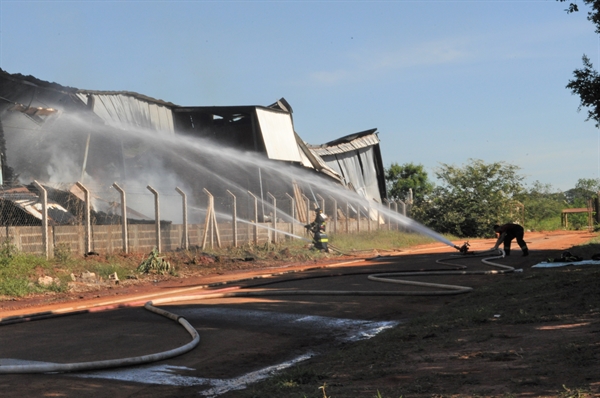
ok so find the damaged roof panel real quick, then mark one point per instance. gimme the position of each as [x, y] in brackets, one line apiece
[278, 135]
[29, 203]
[346, 144]
[358, 159]
[117, 109]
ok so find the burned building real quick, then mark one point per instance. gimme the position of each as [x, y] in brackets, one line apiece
[59, 135]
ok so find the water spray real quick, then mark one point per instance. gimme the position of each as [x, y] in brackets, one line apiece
[229, 168]
[313, 194]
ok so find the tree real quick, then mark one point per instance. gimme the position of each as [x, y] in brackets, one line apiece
[593, 14]
[585, 189]
[400, 179]
[543, 205]
[472, 198]
[587, 86]
[586, 83]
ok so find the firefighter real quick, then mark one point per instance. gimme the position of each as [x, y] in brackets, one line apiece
[317, 227]
[507, 233]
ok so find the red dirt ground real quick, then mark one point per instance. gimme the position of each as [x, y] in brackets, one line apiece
[138, 290]
[490, 363]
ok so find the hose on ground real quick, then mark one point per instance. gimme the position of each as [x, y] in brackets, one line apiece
[113, 363]
[444, 289]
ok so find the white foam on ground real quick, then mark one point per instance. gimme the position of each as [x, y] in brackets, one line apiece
[167, 375]
[343, 330]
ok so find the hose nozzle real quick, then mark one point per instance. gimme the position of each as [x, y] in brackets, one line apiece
[464, 249]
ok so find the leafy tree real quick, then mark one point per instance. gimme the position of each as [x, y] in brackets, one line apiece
[472, 198]
[542, 205]
[586, 82]
[593, 14]
[585, 189]
[587, 86]
[400, 179]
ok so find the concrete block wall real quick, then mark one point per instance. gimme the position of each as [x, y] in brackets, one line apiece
[142, 237]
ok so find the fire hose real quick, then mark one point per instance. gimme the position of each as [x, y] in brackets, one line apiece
[444, 289]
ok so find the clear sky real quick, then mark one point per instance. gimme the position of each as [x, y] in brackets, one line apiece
[442, 81]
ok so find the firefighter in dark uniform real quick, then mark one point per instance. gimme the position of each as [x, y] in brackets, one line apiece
[317, 227]
[508, 232]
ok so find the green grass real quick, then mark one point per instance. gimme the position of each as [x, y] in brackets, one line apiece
[379, 239]
[18, 274]
[547, 224]
[296, 249]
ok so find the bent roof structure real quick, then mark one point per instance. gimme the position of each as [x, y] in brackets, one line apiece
[357, 158]
[29, 105]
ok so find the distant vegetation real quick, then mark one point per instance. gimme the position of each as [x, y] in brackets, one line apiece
[471, 198]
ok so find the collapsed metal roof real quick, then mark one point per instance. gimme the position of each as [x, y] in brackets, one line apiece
[348, 143]
[20, 206]
[357, 158]
[29, 105]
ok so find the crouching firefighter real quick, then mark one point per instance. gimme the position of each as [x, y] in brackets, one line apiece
[508, 232]
[317, 228]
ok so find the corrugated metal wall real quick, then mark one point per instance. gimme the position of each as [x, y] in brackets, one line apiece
[119, 109]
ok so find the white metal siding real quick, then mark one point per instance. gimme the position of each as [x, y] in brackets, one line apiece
[119, 109]
[278, 134]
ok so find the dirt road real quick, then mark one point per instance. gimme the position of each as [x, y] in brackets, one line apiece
[242, 339]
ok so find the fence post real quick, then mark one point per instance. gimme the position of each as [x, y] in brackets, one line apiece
[322, 202]
[335, 220]
[44, 200]
[347, 217]
[124, 217]
[88, 220]
[211, 221]
[274, 216]
[358, 218]
[597, 206]
[184, 238]
[403, 213]
[234, 218]
[389, 219]
[255, 217]
[156, 218]
[292, 213]
[368, 209]
[307, 200]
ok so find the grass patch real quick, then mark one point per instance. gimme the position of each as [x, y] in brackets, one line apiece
[287, 250]
[379, 239]
[548, 224]
[19, 272]
[292, 383]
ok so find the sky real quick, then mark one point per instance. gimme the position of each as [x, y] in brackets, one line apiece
[442, 81]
